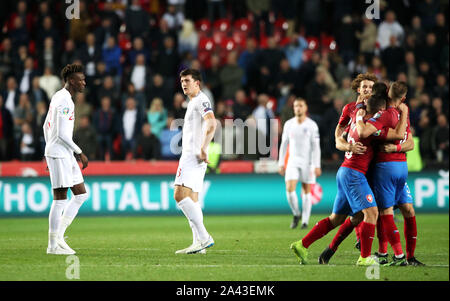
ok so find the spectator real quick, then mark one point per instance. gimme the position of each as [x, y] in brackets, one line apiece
[285, 82]
[389, 27]
[345, 92]
[90, 54]
[36, 93]
[377, 68]
[19, 59]
[441, 88]
[188, 39]
[168, 61]
[287, 111]
[136, 19]
[28, 143]
[157, 116]
[367, 39]
[271, 56]
[6, 57]
[359, 66]
[426, 71]
[105, 120]
[231, 76]
[104, 32]
[23, 113]
[82, 108]
[430, 52]
[241, 109]
[294, 51]
[248, 61]
[79, 27]
[48, 30]
[138, 48]
[69, 54]
[415, 111]
[131, 123]
[19, 34]
[260, 11]
[410, 68]
[262, 114]
[346, 39]
[11, 95]
[441, 138]
[416, 30]
[6, 131]
[425, 132]
[173, 17]
[392, 57]
[108, 89]
[316, 95]
[140, 74]
[139, 96]
[111, 56]
[178, 110]
[212, 76]
[216, 10]
[48, 56]
[149, 147]
[86, 137]
[49, 82]
[419, 87]
[26, 77]
[160, 89]
[440, 29]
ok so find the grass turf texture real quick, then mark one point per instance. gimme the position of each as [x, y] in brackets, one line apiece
[254, 247]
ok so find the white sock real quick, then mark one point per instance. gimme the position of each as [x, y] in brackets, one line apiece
[293, 202]
[194, 214]
[70, 212]
[54, 220]
[194, 233]
[306, 207]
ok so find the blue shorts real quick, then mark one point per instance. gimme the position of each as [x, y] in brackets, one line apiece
[389, 184]
[353, 193]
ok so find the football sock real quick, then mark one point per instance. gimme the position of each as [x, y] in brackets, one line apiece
[70, 212]
[358, 231]
[194, 214]
[392, 233]
[306, 207]
[54, 220]
[410, 230]
[318, 231]
[293, 202]
[366, 238]
[344, 230]
[382, 239]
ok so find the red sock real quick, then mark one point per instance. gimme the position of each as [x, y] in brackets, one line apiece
[382, 239]
[392, 233]
[410, 235]
[358, 231]
[366, 238]
[344, 230]
[318, 231]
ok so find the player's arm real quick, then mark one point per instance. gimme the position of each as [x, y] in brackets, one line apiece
[343, 145]
[283, 149]
[399, 132]
[364, 129]
[62, 133]
[210, 128]
[44, 128]
[404, 147]
[316, 152]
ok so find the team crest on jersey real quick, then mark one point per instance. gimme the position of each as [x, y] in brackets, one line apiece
[369, 198]
[377, 133]
[377, 115]
[65, 111]
[206, 106]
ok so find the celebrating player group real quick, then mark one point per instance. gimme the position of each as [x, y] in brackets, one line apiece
[374, 133]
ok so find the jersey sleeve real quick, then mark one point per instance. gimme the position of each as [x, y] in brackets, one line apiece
[345, 116]
[204, 106]
[284, 144]
[63, 127]
[380, 120]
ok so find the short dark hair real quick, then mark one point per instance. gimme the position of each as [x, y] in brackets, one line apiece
[398, 89]
[196, 75]
[375, 104]
[300, 99]
[70, 69]
[380, 89]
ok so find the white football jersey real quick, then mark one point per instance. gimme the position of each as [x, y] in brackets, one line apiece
[304, 143]
[193, 130]
[58, 126]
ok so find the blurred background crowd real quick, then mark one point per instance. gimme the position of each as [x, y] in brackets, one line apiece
[255, 57]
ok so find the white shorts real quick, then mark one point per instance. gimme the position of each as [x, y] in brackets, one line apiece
[190, 173]
[64, 172]
[302, 174]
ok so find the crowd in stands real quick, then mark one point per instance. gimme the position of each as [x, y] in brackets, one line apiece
[255, 56]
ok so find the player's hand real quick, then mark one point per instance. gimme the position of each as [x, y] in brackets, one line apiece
[84, 160]
[318, 171]
[203, 157]
[361, 113]
[389, 148]
[281, 170]
[403, 108]
[358, 148]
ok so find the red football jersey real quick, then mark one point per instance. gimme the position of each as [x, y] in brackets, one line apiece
[389, 119]
[358, 162]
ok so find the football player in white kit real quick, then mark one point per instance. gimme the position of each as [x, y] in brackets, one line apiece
[198, 131]
[60, 153]
[301, 133]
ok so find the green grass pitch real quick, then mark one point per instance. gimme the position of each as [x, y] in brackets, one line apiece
[251, 247]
